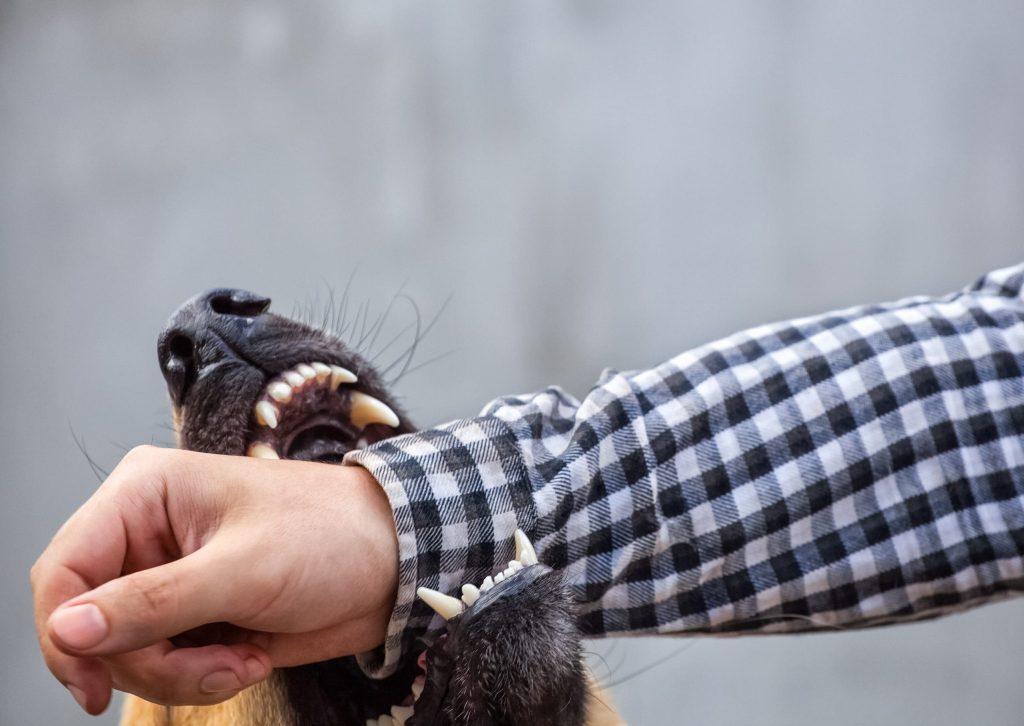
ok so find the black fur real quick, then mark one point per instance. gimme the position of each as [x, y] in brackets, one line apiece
[513, 658]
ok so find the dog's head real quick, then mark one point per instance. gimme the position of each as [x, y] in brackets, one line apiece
[244, 381]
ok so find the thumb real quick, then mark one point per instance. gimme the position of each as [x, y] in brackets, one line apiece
[145, 607]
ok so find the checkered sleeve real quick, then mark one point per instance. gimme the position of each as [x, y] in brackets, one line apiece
[849, 469]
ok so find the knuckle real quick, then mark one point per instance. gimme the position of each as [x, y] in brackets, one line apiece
[140, 454]
[155, 591]
[141, 468]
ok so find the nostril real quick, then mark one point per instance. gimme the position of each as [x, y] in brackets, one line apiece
[180, 347]
[240, 303]
[178, 361]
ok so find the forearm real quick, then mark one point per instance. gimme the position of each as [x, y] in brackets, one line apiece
[843, 469]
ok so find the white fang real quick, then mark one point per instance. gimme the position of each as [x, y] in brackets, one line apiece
[444, 605]
[368, 410]
[341, 375]
[524, 549]
[262, 451]
[266, 414]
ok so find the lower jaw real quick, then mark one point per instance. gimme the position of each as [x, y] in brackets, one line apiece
[335, 691]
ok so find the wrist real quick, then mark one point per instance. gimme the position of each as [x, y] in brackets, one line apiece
[381, 544]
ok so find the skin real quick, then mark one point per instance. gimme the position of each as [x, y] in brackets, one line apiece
[177, 540]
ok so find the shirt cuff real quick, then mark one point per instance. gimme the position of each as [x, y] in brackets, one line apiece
[458, 493]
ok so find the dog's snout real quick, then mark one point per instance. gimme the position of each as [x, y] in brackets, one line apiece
[187, 343]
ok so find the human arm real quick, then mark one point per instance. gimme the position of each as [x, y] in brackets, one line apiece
[848, 469]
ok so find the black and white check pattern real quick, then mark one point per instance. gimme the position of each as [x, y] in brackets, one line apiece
[853, 468]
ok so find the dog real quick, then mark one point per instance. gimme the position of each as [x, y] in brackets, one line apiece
[245, 381]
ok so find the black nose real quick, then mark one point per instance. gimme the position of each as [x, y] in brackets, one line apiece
[202, 331]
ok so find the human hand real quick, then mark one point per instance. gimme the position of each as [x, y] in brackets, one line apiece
[253, 563]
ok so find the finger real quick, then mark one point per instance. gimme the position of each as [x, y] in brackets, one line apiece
[52, 583]
[89, 549]
[143, 608]
[355, 636]
[174, 676]
[88, 680]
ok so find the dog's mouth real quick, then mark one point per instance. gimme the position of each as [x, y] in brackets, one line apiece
[431, 685]
[313, 412]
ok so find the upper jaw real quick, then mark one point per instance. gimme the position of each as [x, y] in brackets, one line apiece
[232, 404]
[311, 405]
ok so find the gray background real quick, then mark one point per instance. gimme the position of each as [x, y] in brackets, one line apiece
[593, 183]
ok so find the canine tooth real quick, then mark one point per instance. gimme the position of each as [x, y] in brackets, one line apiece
[323, 371]
[444, 605]
[417, 686]
[525, 552]
[499, 577]
[401, 714]
[266, 414]
[294, 379]
[470, 594]
[385, 720]
[368, 410]
[262, 451]
[341, 375]
[280, 392]
[372, 722]
[487, 584]
[306, 371]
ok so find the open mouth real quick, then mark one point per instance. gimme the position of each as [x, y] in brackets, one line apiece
[311, 412]
[435, 664]
[402, 712]
[449, 607]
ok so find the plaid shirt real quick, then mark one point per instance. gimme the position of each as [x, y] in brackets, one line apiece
[850, 469]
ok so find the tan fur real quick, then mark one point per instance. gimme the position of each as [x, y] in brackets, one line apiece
[600, 709]
[265, 705]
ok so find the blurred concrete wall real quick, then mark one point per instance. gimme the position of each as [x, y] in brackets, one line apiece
[593, 183]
